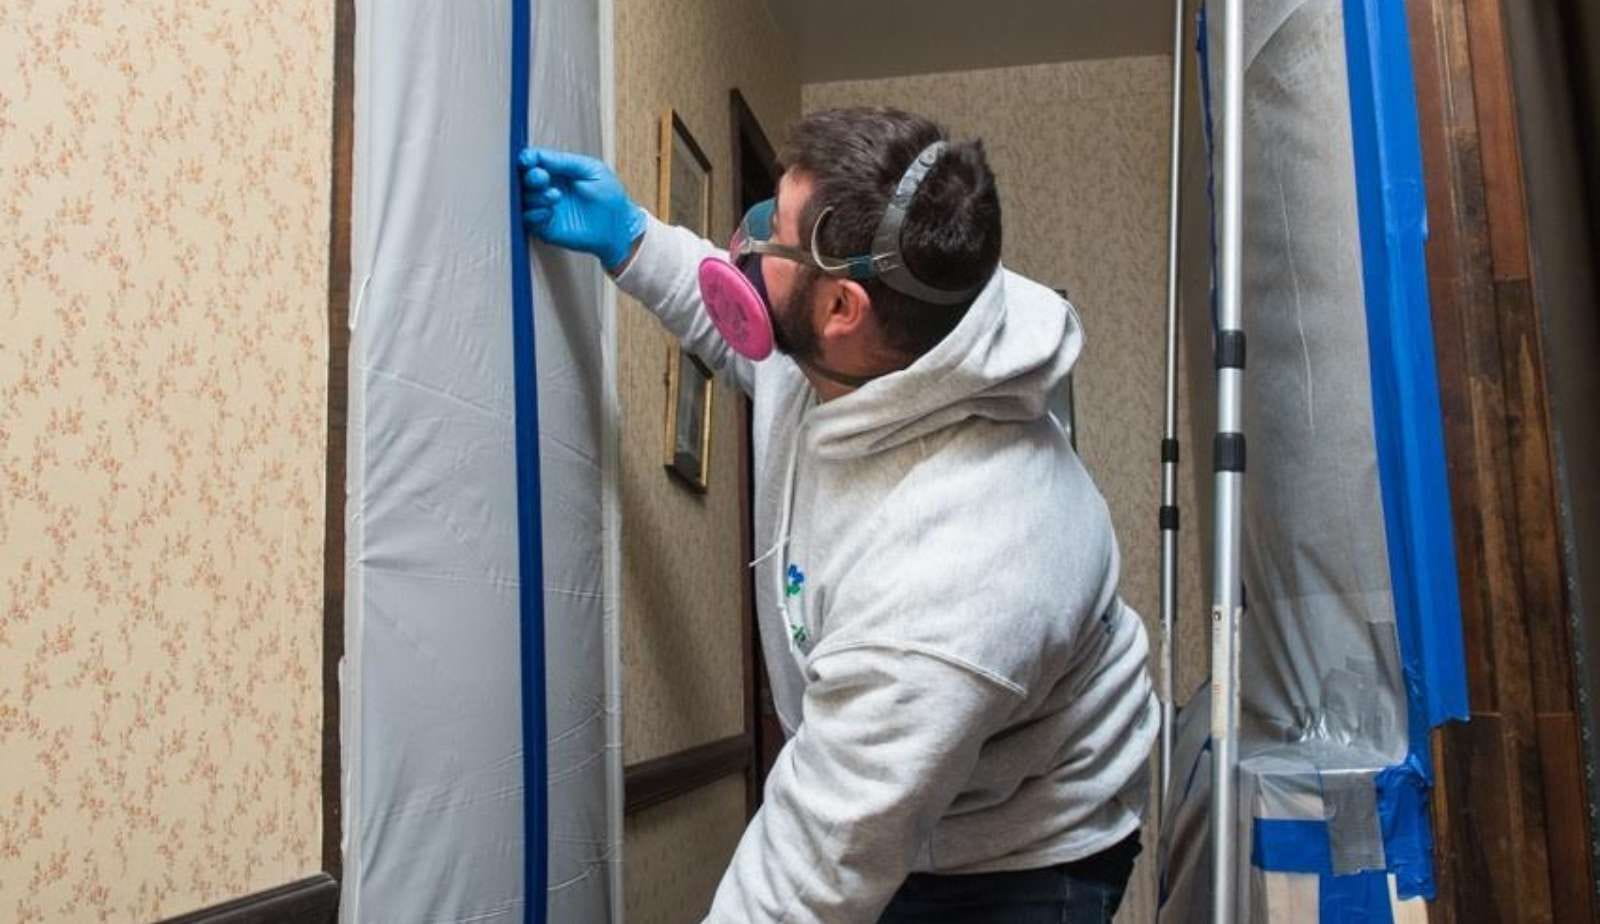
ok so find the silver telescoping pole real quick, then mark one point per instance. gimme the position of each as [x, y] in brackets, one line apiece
[1169, 432]
[1229, 463]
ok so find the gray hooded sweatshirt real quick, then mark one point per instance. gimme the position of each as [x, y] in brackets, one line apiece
[963, 688]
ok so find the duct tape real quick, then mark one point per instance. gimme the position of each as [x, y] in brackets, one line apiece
[1350, 810]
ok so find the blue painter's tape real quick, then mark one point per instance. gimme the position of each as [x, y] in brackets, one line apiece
[1407, 416]
[530, 543]
[1294, 846]
[1362, 898]
[1290, 846]
[1407, 420]
[1407, 834]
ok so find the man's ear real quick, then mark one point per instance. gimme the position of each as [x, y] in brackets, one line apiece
[846, 309]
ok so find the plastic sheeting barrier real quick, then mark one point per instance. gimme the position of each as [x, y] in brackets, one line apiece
[1351, 646]
[433, 736]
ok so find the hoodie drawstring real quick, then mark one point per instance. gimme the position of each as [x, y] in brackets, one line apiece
[795, 628]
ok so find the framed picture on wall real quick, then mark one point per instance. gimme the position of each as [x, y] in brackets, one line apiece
[684, 199]
[688, 429]
[684, 195]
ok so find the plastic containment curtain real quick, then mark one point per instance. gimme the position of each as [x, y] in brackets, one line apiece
[470, 543]
[1349, 641]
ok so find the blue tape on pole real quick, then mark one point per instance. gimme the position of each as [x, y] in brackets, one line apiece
[1407, 420]
[530, 544]
[1202, 51]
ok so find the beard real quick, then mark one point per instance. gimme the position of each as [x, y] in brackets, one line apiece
[794, 332]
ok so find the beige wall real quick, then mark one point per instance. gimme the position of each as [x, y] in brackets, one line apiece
[682, 570]
[1080, 151]
[163, 369]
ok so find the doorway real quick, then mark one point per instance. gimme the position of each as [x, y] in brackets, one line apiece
[755, 179]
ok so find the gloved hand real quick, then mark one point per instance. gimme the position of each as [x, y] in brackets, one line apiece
[576, 202]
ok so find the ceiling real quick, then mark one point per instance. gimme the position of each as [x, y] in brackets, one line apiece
[860, 39]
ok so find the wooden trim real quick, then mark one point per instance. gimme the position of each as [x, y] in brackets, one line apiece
[333, 546]
[1504, 777]
[673, 128]
[314, 900]
[653, 782]
[1497, 137]
[747, 126]
[747, 633]
[747, 133]
[749, 637]
[695, 477]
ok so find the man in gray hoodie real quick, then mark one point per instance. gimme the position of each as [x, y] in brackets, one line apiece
[965, 694]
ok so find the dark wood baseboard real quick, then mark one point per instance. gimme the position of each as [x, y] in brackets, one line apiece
[314, 900]
[652, 782]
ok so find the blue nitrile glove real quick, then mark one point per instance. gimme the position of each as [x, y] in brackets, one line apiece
[576, 202]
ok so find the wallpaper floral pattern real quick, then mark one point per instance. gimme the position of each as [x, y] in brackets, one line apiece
[164, 176]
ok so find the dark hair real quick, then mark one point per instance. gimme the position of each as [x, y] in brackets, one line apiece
[951, 236]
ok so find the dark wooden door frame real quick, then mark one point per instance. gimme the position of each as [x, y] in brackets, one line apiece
[652, 782]
[313, 900]
[333, 548]
[1511, 840]
[759, 729]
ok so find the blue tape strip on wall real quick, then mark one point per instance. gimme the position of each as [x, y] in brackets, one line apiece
[530, 545]
[1407, 420]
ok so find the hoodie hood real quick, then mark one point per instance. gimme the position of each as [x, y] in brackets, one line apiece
[1011, 350]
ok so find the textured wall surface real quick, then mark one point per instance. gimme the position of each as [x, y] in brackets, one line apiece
[164, 176]
[1080, 151]
[677, 851]
[682, 570]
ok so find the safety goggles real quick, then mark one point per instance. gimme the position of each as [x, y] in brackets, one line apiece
[754, 237]
[734, 290]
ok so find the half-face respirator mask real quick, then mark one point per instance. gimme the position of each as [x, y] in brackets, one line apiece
[735, 291]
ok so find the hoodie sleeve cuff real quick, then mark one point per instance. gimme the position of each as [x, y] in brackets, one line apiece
[664, 276]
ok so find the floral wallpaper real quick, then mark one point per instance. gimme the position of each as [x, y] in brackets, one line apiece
[1080, 152]
[164, 183]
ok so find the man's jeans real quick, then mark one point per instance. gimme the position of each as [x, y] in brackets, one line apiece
[1085, 891]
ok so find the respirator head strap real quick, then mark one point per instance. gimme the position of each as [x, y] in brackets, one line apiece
[888, 260]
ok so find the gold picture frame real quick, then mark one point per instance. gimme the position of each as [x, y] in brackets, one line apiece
[683, 192]
[683, 197]
[688, 431]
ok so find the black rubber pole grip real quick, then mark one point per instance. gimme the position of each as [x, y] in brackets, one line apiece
[1228, 452]
[1230, 349]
